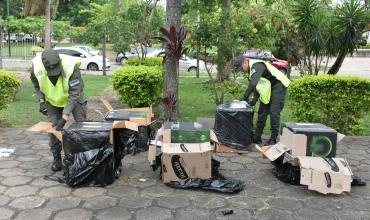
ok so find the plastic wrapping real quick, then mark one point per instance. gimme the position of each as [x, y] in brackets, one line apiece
[90, 168]
[287, 173]
[124, 115]
[132, 142]
[188, 132]
[234, 124]
[217, 183]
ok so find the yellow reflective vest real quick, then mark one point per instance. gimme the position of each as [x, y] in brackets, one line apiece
[264, 86]
[56, 95]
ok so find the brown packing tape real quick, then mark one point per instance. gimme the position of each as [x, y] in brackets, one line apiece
[43, 126]
[107, 104]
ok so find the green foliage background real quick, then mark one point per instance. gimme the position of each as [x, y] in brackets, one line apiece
[338, 102]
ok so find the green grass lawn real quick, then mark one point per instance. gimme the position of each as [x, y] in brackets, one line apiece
[195, 101]
[24, 111]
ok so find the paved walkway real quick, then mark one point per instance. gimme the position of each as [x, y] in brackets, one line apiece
[25, 195]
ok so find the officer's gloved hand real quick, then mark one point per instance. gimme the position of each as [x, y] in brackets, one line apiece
[253, 102]
[60, 124]
[43, 108]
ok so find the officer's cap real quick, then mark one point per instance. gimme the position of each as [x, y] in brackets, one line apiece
[51, 60]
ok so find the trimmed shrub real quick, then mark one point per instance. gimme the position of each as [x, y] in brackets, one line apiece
[152, 61]
[139, 86]
[338, 102]
[9, 84]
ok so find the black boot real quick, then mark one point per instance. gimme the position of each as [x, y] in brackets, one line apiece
[271, 141]
[56, 165]
[257, 140]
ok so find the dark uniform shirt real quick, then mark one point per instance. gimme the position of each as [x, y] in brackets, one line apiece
[258, 70]
[75, 91]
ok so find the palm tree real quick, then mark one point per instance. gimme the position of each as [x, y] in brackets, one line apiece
[350, 21]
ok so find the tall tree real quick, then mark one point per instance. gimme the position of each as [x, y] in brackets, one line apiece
[47, 25]
[224, 51]
[34, 8]
[1, 45]
[171, 78]
[351, 20]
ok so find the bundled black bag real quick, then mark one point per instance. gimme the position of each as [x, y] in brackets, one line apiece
[234, 124]
[90, 168]
[131, 141]
[89, 157]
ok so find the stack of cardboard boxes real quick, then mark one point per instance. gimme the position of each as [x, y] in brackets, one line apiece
[312, 147]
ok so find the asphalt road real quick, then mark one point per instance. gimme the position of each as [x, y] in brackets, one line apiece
[355, 66]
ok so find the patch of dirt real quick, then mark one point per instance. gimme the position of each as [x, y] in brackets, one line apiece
[96, 110]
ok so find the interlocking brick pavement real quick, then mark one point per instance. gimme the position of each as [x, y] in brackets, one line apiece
[24, 194]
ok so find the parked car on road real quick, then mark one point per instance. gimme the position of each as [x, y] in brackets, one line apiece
[190, 65]
[88, 49]
[133, 53]
[88, 61]
[264, 55]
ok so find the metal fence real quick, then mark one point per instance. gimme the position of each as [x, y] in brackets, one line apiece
[18, 48]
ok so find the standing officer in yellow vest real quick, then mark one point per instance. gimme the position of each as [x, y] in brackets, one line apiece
[269, 85]
[59, 89]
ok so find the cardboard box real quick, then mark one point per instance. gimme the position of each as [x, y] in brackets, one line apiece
[310, 139]
[222, 148]
[182, 161]
[325, 175]
[186, 132]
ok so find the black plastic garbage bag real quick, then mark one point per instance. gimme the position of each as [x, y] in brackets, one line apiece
[217, 183]
[90, 168]
[132, 142]
[288, 173]
[234, 124]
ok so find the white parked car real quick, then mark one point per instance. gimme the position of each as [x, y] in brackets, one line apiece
[190, 65]
[88, 49]
[88, 61]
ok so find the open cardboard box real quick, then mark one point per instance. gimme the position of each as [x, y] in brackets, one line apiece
[116, 114]
[310, 139]
[183, 161]
[324, 175]
[221, 148]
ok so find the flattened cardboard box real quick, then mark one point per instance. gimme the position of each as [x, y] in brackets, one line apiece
[183, 161]
[325, 175]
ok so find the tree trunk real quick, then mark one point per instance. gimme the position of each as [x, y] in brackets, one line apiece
[154, 8]
[104, 54]
[171, 77]
[56, 6]
[47, 25]
[224, 52]
[1, 45]
[118, 5]
[34, 8]
[337, 64]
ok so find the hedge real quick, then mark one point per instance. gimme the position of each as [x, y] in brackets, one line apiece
[336, 101]
[139, 86]
[9, 84]
[152, 61]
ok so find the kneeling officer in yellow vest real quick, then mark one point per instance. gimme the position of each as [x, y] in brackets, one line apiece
[59, 89]
[269, 85]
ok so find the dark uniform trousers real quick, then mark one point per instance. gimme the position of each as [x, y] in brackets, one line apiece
[54, 114]
[274, 108]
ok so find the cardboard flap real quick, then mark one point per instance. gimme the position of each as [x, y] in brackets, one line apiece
[46, 127]
[273, 152]
[296, 142]
[126, 124]
[340, 137]
[107, 104]
[139, 121]
[325, 175]
[213, 136]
